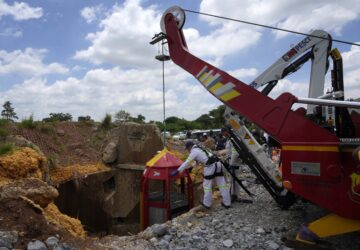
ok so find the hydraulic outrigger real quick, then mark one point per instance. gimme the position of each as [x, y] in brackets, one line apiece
[317, 162]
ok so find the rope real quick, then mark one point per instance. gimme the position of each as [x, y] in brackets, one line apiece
[270, 27]
[163, 85]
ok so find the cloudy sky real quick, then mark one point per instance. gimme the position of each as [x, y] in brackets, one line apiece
[92, 57]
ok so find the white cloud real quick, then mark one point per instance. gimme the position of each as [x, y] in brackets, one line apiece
[90, 14]
[11, 32]
[298, 89]
[243, 73]
[351, 62]
[221, 42]
[122, 39]
[28, 62]
[298, 15]
[20, 11]
[103, 91]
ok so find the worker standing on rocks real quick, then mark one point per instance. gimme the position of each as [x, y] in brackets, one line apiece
[235, 164]
[213, 169]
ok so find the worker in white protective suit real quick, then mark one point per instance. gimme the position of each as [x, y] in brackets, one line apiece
[235, 164]
[213, 169]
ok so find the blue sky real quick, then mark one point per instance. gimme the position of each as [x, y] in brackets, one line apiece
[93, 57]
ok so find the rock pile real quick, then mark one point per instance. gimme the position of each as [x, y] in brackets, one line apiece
[258, 225]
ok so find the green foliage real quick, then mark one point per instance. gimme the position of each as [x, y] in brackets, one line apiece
[106, 122]
[218, 116]
[28, 123]
[138, 119]
[52, 162]
[3, 129]
[97, 139]
[6, 148]
[160, 125]
[206, 121]
[61, 117]
[214, 119]
[3, 123]
[3, 133]
[46, 128]
[8, 112]
[122, 116]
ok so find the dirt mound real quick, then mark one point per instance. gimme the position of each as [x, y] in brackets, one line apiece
[72, 225]
[22, 163]
[20, 216]
[16, 188]
[65, 143]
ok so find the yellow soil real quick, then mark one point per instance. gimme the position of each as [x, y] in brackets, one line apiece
[22, 163]
[26, 162]
[4, 181]
[72, 225]
[62, 174]
[179, 154]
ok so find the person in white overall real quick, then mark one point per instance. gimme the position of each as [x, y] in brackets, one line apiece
[235, 165]
[212, 170]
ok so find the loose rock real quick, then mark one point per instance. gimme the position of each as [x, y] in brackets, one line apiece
[36, 245]
[9, 236]
[159, 230]
[52, 241]
[228, 243]
[272, 245]
[3, 243]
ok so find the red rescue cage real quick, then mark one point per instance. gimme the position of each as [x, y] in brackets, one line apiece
[162, 196]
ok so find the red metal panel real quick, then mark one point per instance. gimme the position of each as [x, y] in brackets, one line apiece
[332, 189]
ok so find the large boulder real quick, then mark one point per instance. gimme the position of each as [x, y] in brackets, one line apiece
[34, 189]
[132, 143]
[110, 153]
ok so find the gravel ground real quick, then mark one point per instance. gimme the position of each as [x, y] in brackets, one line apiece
[257, 225]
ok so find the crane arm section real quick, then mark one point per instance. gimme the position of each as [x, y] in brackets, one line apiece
[274, 116]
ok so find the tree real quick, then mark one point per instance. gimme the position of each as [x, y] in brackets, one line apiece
[160, 125]
[138, 119]
[122, 116]
[8, 111]
[206, 121]
[106, 122]
[218, 115]
[61, 117]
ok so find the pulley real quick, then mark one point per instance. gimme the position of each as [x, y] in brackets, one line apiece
[179, 15]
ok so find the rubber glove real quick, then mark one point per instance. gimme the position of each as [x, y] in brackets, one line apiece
[174, 172]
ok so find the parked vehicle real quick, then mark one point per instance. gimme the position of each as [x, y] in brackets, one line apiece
[167, 135]
[179, 136]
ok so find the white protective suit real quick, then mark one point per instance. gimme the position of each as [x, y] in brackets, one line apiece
[235, 164]
[212, 170]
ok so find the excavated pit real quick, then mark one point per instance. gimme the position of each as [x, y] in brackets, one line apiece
[105, 202]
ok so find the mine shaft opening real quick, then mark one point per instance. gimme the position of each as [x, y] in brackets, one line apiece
[104, 202]
[109, 202]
